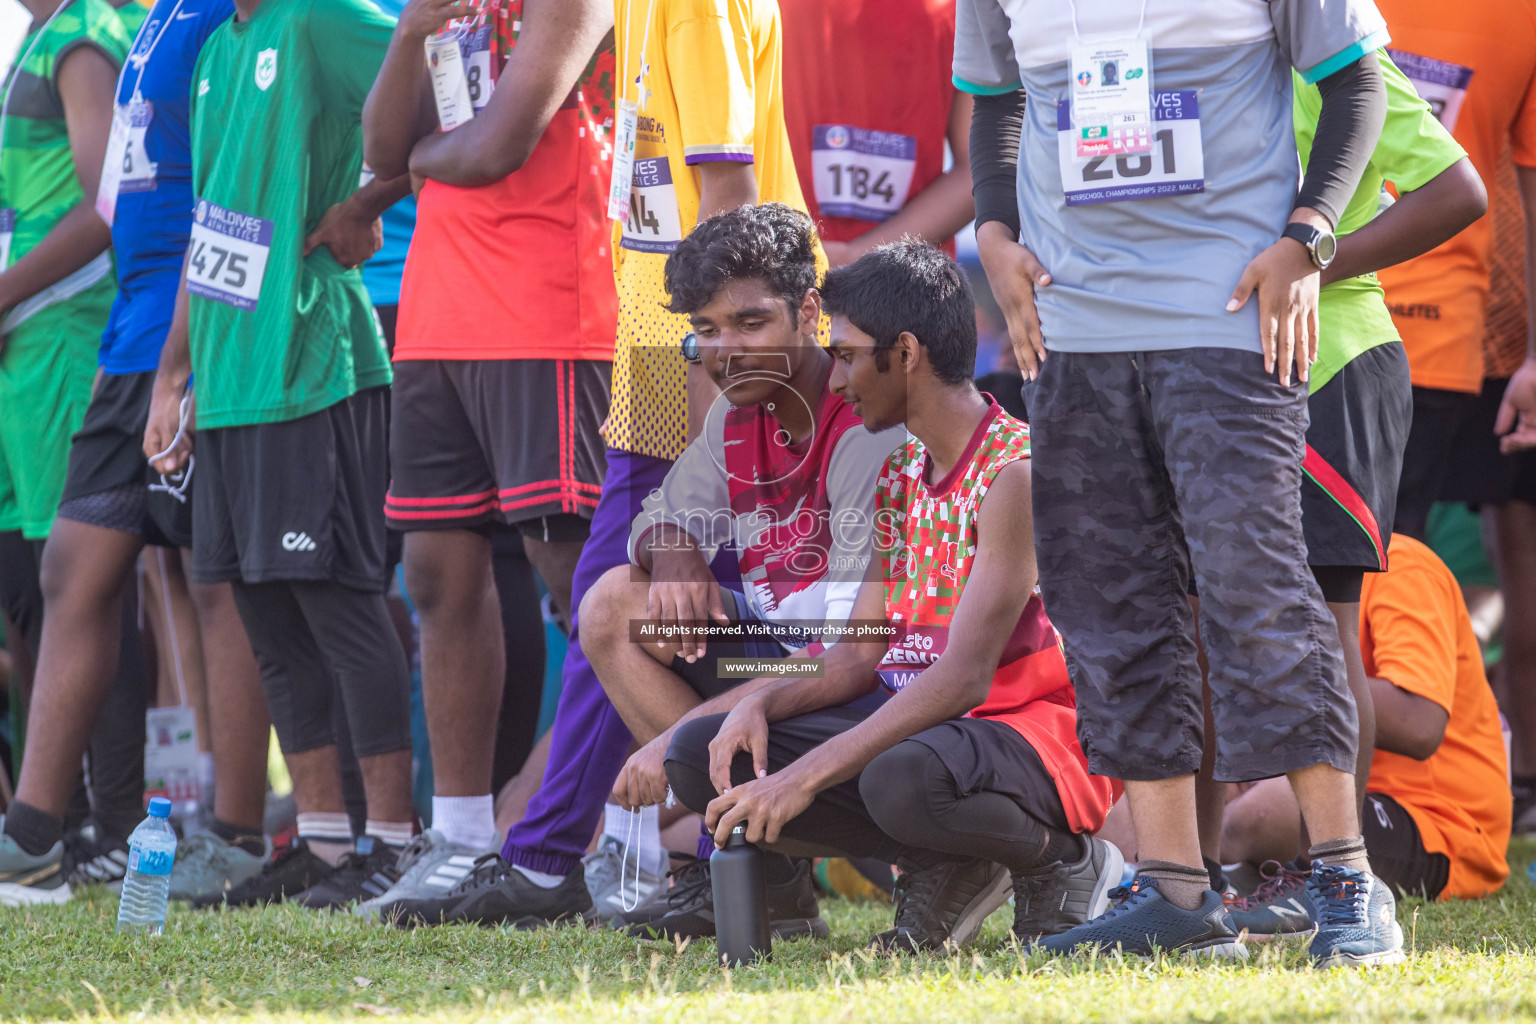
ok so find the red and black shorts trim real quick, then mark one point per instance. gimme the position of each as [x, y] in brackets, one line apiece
[515, 441]
[1355, 444]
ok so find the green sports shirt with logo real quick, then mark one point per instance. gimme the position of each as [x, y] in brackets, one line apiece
[38, 185]
[277, 103]
[1413, 149]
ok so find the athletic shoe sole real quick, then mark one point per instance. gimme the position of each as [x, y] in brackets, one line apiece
[799, 928]
[1385, 958]
[1109, 878]
[12, 895]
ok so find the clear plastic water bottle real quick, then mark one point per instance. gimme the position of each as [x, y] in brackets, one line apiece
[151, 852]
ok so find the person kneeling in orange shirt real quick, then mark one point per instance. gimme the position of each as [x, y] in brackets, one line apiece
[1437, 812]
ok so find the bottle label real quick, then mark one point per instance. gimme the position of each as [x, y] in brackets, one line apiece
[150, 862]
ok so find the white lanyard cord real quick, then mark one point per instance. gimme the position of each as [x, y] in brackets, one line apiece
[1140, 22]
[140, 63]
[645, 41]
[16, 69]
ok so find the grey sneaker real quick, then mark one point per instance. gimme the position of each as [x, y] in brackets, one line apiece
[617, 886]
[26, 879]
[208, 866]
[1062, 896]
[429, 868]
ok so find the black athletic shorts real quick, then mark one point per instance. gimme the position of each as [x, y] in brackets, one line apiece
[1479, 474]
[516, 441]
[1439, 418]
[297, 500]
[1397, 851]
[109, 482]
[1355, 442]
[703, 674]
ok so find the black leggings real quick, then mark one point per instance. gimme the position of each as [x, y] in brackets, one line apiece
[313, 638]
[907, 806]
[522, 627]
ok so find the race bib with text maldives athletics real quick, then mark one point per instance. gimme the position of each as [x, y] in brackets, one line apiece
[227, 255]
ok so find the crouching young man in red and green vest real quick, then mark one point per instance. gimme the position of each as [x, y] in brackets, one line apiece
[970, 772]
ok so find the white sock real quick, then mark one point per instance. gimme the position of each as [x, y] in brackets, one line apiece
[467, 820]
[328, 835]
[641, 840]
[391, 833]
[539, 878]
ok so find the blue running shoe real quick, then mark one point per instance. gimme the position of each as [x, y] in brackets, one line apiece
[1142, 920]
[1356, 917]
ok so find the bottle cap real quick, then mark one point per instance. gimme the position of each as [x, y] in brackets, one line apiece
[159, 807]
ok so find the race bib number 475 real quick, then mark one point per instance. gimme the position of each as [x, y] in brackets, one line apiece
[1174, 167]
[227, 255]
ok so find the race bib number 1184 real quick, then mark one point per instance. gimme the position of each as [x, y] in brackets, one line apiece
[1174, 167]
[227, 255]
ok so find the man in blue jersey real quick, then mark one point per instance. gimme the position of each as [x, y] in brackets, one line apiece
[1159, 272]
[113, 504]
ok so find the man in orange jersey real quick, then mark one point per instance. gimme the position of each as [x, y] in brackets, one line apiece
[1481, 82]
[1437, 813]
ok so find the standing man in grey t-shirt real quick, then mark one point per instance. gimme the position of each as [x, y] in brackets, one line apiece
[1157, 256]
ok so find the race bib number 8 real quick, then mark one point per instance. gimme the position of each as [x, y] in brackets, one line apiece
[1174, 167]
[860, 172]
[477, 67]
[653, 224]
[227, 255]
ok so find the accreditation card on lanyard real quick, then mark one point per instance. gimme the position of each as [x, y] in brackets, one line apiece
[626, 121]
[127, 166]
[1111, 86]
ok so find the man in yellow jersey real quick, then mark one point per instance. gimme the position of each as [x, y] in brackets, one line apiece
[699, 98]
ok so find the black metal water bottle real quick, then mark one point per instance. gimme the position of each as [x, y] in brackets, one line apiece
[741, 900]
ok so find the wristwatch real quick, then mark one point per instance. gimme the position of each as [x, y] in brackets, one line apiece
[1321, 245]
[690, 347]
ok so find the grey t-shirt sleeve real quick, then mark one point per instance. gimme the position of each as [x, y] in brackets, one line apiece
[984, 60]
[1320, 37]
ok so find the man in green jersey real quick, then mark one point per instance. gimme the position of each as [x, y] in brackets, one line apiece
[291, 399]
[1360, 403]
[56, 286]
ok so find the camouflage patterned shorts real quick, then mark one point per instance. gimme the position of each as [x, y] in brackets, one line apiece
[1148, 466]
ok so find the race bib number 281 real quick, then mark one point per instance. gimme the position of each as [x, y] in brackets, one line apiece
[227, 255]
[1175, 165]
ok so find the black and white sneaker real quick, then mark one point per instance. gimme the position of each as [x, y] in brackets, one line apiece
[497, 893]
[364, 874]
[687, 910]
[943, 905]
[89, 860]
[1062, 896]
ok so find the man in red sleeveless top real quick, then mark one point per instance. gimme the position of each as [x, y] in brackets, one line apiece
[970, 771]
[782, 473]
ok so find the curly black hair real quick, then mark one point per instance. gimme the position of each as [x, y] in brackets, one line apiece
[772, 243]
[909, 286]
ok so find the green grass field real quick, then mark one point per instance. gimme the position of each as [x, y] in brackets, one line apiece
[1469, 961]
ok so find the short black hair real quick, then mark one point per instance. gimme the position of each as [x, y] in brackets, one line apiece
[909, 286]
[772, 243]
